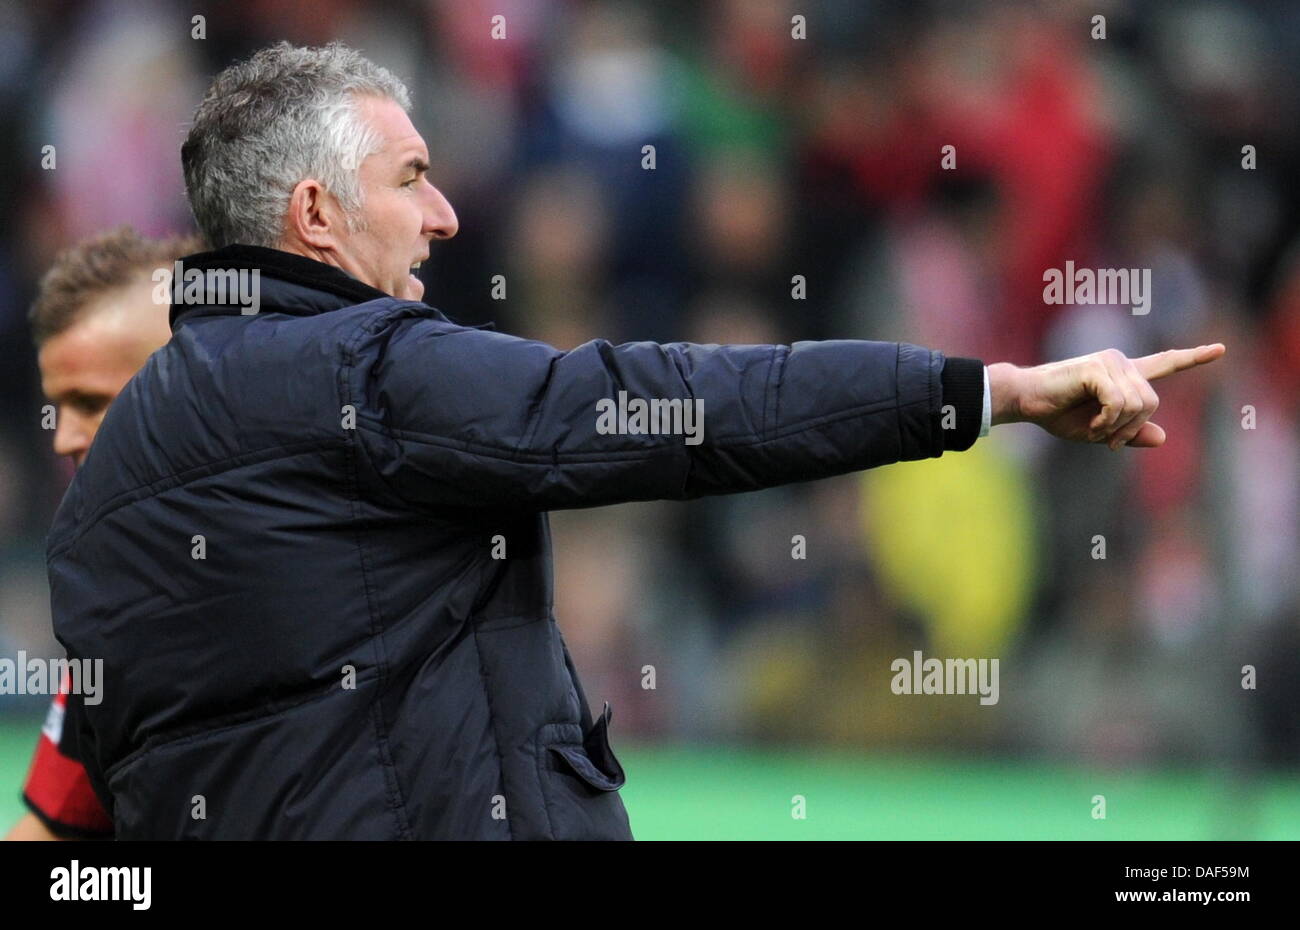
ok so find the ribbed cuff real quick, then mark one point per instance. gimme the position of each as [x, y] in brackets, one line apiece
[962, 384]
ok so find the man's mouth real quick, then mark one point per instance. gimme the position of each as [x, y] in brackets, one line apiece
[416, 283]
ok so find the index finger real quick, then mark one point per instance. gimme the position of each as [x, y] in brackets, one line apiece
[1171, 360]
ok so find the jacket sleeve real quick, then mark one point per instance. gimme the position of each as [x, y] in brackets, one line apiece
[58, 789]
[474, 418]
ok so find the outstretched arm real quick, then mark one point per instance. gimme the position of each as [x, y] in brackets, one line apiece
[465, 418]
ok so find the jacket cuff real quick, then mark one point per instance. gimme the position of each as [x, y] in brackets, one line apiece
[962, 386]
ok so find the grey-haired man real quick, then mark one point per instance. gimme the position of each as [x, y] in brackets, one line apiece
[311, 542]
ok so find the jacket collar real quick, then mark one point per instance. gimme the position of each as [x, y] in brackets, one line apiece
[286, 283]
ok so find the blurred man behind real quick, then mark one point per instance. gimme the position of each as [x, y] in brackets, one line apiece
[95, 321]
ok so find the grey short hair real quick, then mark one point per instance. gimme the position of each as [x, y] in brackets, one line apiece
[286, 114]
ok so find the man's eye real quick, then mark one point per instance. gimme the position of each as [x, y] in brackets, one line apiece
[89, 406]
[410, 182]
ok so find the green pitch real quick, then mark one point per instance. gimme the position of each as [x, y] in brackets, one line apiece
[693, 793]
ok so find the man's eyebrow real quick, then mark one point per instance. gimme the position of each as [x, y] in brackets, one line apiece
[78, 396]
[417, 164]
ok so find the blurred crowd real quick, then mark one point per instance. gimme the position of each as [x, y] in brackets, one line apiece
[776, 157]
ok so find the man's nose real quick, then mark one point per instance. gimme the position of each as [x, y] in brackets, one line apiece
[71, 435]
[440, 219]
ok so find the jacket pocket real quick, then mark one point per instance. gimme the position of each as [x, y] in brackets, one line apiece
[593, 761]
[580, 779]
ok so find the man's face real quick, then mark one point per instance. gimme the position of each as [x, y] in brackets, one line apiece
[401, 211]
[84, 367]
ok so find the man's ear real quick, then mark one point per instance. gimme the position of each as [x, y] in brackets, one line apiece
[313, 215]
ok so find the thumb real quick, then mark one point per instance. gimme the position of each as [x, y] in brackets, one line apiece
[1150, 436]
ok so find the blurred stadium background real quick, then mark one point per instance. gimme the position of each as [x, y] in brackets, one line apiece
[819, 157]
